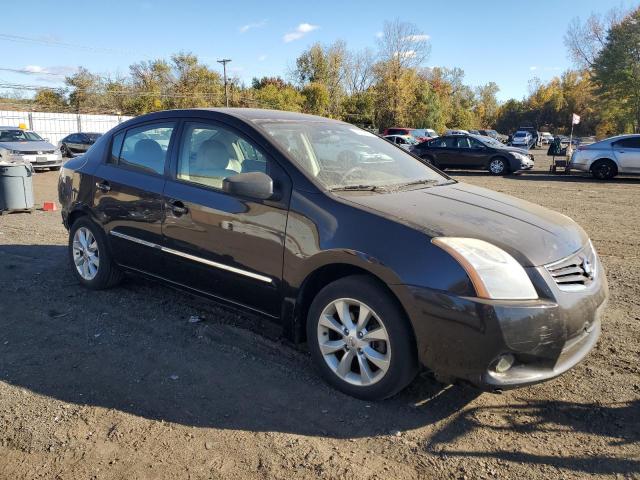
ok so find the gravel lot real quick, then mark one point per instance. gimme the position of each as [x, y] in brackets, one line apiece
[119, 384]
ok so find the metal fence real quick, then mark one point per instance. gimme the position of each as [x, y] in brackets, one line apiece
[55, 126]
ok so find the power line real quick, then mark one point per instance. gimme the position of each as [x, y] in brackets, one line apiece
[57, 43]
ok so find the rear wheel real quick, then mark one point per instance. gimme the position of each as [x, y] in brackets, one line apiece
[89, 257]
[360, 340]
[604, 169]
[498, 166]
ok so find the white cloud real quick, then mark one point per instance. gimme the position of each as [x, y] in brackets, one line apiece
[60, 71]
[262, 58]
[379, 34]
[300, 31]
[533, 68]
[417, 38]
[250, 26]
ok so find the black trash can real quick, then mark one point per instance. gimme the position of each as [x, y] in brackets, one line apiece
[16, 187]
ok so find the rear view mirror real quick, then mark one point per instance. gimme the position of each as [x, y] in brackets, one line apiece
[253, 185]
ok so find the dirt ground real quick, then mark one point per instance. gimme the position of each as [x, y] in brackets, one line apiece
[119, 384]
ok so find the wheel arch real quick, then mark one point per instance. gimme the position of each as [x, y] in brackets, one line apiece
[322, 276]
[605, 159]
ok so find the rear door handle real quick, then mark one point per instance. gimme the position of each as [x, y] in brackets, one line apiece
[177, 207]
[103, 186]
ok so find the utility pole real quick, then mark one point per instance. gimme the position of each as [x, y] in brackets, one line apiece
[224, 62]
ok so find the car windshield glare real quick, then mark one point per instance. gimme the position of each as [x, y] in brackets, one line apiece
[340, 156]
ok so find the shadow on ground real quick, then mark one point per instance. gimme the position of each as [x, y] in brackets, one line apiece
[615, 422]
[133, 349]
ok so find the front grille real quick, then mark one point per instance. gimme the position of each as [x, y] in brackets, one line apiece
[575, 272]
[36, 152]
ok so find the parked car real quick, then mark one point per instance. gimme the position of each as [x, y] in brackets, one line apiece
[380, 269]
[535, 135]
[403, 141]
[609, 157]
[456, 132]
[522, 139]
[20, 145]
[546, 138]
[474, 152]
[474, 132]
[421, 134]
[77, 143]
[495, 135]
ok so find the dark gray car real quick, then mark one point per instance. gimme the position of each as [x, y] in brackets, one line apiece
[380, 266]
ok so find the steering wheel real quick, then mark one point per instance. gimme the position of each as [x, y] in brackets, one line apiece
[350, 172]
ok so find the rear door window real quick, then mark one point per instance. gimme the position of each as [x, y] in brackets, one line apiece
[144, 148]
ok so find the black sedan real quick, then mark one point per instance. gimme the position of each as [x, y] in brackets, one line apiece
[77, 143]
[474, 152]
[376, 259]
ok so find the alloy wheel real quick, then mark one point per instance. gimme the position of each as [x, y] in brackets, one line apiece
[496, 166]
[86, 255]
[354, 342]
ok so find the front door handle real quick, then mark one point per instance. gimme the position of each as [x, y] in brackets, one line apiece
[103, 186]
[178, 208]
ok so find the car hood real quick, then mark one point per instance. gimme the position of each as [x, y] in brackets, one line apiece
[515, 149]
[532, 234]
[27, 146]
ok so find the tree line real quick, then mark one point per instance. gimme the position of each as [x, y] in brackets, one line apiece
[389, 86]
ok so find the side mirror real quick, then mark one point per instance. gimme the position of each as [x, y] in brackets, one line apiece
[253, 185]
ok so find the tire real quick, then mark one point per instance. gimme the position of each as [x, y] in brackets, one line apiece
[82, 255]
[498, 166]
[63, 151]
[377, 368]
[604, 169]
[56, 169]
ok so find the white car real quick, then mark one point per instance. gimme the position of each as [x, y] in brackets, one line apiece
[609, 157]
[403, 141]
[20, 145]
[522, 139]
[546, 138]
[456, 132]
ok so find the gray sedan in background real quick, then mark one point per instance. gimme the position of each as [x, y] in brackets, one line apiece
[609, 157]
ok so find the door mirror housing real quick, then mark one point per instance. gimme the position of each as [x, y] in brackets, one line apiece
[253, 185]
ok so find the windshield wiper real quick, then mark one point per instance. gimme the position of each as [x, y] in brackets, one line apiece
[355, 188]
[418, 182]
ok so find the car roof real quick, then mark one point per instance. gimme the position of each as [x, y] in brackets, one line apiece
[251, 115]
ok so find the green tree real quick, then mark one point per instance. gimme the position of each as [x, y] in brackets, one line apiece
[50, 100]
[616, 70]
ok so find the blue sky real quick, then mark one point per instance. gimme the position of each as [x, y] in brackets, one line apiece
[505, 41]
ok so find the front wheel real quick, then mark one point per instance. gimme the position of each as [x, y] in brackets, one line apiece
[89, 257]
[360, 340]
[498, 166]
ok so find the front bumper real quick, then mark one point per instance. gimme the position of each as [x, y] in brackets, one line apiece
[39, 161]
[463, 337]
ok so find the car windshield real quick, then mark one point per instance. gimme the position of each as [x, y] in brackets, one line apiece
[520, 134]
[343, 157]
[19, 136]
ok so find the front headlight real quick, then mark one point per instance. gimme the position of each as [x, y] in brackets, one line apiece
[519, 156]
[494, 273]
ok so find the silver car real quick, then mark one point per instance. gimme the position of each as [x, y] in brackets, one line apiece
[19, 145]
[608, 158]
